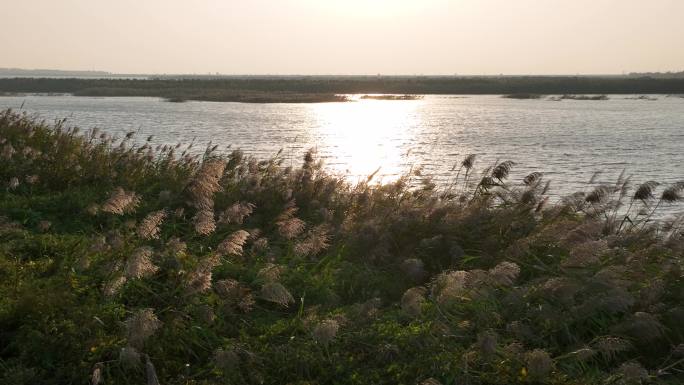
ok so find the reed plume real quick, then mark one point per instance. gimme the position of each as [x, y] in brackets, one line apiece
[201, 192]
[270, 272]
[199, 280]
[316, 240]
[289, 226]
[96, 377]
[233, 244]
[449, 286]
[112, 287]
[13, 183]
[236, 213]
[644, 192]
[673, 193]
[121, 202]
[276, 293]
[412, 301]
[609, 346]
[139, 264]
[204, 222]
[505, 273]
[140, 326]
[501, 171]
[149, 226]
[205, 184]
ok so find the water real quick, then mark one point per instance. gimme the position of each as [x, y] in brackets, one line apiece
[568, 141]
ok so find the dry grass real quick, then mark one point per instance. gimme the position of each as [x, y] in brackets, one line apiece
[232, 270]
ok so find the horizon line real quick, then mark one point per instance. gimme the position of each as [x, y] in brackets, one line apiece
[219, 74]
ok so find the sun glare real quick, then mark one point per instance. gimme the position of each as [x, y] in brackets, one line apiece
[366, 135]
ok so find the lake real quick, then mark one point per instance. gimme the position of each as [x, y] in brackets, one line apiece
[567, 140]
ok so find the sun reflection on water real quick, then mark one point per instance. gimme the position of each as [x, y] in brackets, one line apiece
[364, 135]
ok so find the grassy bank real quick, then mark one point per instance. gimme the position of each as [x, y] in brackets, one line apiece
[216, 95]
[307, 89]
[136, 264]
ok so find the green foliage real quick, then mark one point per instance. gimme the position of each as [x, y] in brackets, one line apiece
[110, 268]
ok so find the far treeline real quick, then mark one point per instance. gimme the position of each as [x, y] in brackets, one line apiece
[321, 88]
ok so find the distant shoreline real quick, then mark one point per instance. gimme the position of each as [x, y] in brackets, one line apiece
[317, 89]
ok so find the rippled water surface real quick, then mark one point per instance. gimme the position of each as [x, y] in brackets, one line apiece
[567, 140]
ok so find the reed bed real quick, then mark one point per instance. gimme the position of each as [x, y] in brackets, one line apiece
[235, 88]
[125, 263]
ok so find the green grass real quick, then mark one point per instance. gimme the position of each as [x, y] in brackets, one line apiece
[403, 283]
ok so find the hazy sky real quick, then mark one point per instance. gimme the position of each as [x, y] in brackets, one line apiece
[345, 36]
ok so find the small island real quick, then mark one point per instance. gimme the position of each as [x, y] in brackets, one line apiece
[391, 97]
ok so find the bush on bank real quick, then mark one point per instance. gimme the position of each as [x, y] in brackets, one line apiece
[124, 263]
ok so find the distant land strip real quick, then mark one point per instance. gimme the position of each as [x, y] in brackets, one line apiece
[311, 89]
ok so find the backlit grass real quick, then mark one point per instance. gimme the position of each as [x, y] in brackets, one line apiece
[130, 264]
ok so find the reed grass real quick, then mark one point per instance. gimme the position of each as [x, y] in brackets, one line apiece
[214, 87]
[132, 263]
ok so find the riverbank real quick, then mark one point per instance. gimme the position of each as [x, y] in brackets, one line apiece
[311, 89]
[121, 261]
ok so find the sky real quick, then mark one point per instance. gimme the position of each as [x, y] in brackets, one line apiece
[337, 37]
